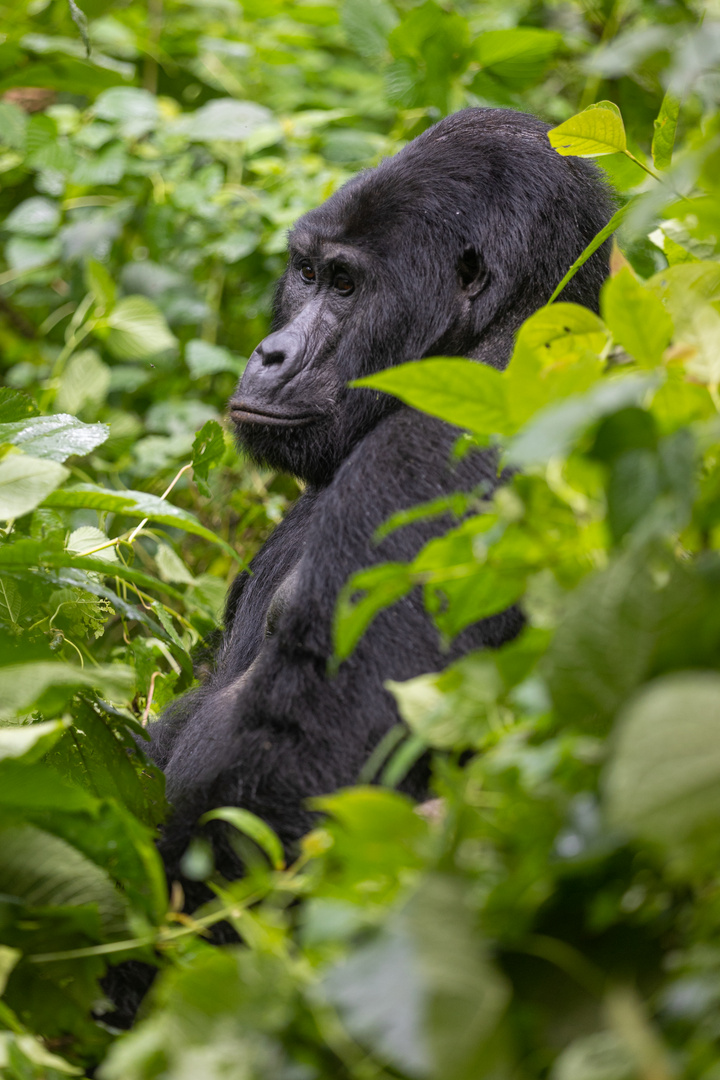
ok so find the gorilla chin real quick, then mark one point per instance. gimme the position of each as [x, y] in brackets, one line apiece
[445, 248]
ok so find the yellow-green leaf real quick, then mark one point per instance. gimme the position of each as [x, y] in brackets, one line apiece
[636, 317]
[597, 130]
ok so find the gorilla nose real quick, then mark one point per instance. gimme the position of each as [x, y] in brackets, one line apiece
[280, 348]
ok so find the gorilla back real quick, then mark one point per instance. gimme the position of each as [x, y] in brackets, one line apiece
[443, 249]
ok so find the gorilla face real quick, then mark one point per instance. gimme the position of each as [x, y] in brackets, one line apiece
[444, 249]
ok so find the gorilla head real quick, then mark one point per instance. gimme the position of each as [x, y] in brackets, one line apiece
[444, 249]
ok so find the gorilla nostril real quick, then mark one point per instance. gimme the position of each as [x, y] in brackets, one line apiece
[273, 356]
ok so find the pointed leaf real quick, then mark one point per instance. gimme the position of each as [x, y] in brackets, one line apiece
[54, 437]
[254, 827]
[597, 130]
[463, 392]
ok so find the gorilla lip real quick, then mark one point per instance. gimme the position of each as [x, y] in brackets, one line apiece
[250, 414]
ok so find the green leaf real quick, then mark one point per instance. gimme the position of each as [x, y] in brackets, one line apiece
[14, 405]
[22, 685]
[675, 253]
[33, 1054]
[171, 567]
[44, 871]
[134, 109]
[208, 450]
[86, 539]
[367, 25]
[223, 119]
[254, 827]
[597, 130]
[34, 217]
[449, 710]
[636, 318]
[54, 437]
[424, 993]
[663, 779]
[602, 1056]
[31, 742]
[597, 242]
[559, 352]
[665, 126]
[136, 329]
[84, 382]
[360, 600]
[611, 626]
[13, 123]
[29, 252]
[100, 284]
[206, 359]
[519, 56]
[463, 392]
[133, 504]
[25, 481]
[32, 553]
[555, 430]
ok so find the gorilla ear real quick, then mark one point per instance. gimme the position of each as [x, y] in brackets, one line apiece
[473, 272]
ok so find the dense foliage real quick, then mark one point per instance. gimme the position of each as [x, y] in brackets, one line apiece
[559, 913]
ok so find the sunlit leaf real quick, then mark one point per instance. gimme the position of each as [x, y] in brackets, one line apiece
[597, 130]
[636, 317]
[137, 329]
[54, 437]
[462, 392]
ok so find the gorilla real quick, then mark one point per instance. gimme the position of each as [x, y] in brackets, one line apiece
[443, 249]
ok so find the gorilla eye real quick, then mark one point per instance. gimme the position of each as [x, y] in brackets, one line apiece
[307, 272]
[343, 284]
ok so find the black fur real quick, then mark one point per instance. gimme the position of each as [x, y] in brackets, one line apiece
[449, 246]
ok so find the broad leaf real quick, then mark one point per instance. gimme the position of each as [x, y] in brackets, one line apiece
[463, 392]
[54, 437]
[34, 217]
[519, 56]
[597, 130]
[21, 685]
[134, 504]
[137, 329]
[663, 780]
[636, 317]
[25, 481]
[42, 870]
[205, 359]
[555, 430]
[30, 741]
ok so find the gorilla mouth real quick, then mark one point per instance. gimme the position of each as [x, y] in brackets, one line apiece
[240, 412]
